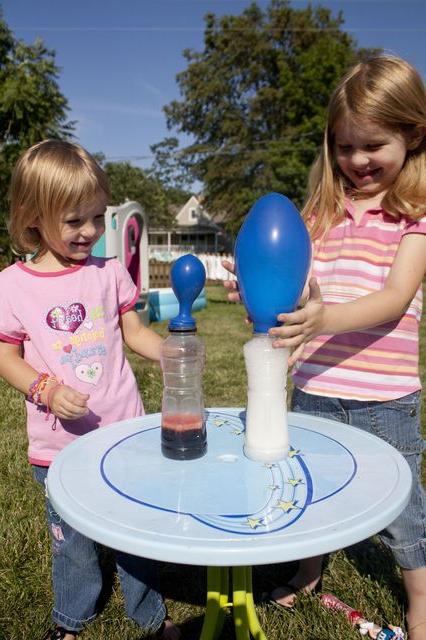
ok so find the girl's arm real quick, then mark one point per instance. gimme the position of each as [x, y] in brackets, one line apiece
[13, 368]
[138, 338]
[65, 402]
[376, 308]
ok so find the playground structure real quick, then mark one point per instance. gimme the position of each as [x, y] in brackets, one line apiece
[126, 238]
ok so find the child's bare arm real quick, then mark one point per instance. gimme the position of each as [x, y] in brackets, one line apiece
[138, 338]
[65, 402]
[389, 304]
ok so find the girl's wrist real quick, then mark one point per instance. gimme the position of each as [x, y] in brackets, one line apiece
[47, 393]
[39, 388]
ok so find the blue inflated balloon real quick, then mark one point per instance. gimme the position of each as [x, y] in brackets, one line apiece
[187, 277]
[272, 259]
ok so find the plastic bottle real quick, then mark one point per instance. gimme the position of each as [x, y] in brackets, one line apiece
[183, 424]
[266, 435]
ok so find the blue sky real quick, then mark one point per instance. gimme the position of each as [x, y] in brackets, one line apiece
[119, 59]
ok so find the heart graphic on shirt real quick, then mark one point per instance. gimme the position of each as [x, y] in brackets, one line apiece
[88, 324]
[89, 373]
[68, 319]
[67, 348]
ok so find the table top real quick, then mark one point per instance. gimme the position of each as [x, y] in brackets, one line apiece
[338, 486]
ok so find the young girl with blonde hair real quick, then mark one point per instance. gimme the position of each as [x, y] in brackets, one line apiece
[356, 340]
[63, 317]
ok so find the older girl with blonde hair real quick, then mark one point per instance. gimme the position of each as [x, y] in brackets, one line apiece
[356, 340]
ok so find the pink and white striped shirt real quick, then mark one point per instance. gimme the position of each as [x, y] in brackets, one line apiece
[380, 363]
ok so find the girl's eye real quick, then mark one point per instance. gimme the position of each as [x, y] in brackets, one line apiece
[374, 147]
[344, 147]
[101, 216]
[73, 222]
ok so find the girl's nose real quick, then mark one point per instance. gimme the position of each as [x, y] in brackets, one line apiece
[359, 158]
[89, 229]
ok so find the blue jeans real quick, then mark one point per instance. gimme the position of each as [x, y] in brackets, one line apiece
[398, 423]
[77, 577]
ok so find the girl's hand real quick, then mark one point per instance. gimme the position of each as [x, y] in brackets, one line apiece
[65, 402]
[301, 325]
[231, 285]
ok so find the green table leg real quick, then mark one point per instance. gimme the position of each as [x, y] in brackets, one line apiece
[240, 603]
[217, 602]
[254, 625]
[245, 618]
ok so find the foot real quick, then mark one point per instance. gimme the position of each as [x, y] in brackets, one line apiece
[168, 631]
[286, 595]
[307, 580]
[59, 633]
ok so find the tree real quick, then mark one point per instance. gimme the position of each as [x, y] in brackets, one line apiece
[31, 106]
[254, 103]
[132, 183]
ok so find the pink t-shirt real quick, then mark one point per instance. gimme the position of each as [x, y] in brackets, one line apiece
[380, 363]
[68, 325]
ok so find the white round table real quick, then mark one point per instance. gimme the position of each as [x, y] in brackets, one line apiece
[338, 486]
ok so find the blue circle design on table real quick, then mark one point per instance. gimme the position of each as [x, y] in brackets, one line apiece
[271, 498]
[272, 259]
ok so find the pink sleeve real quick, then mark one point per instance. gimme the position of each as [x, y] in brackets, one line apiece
[11, 329]
[126, 289]
[415, 226]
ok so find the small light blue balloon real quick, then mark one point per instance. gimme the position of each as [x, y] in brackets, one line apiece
[187, 277]
[272, 260]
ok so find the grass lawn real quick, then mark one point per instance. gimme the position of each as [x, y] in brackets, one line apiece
[363, 576]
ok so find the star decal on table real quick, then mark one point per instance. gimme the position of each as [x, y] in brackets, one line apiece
[287, 505]
[254, 522]
[274, 487]
[295, 481]
[293, 452]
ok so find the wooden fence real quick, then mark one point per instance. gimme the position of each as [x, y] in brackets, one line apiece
[159, 271]
[159, 274]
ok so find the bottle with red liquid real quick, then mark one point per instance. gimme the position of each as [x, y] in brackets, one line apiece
[183, 424]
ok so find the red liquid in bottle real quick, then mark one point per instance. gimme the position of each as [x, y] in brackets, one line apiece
[183, 436]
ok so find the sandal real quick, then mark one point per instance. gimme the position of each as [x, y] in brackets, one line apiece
[58, 633]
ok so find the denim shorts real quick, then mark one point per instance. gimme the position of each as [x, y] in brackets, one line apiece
[398, 423]
[77, 577]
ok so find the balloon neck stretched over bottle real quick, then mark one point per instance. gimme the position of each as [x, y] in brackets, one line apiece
[183, 331]
[261, 329]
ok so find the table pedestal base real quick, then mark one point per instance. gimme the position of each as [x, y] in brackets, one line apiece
[244, 613]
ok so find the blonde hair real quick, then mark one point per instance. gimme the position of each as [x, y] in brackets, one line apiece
[51, 177]
[389, 92]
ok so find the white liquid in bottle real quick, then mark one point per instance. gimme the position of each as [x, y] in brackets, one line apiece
[266, 436]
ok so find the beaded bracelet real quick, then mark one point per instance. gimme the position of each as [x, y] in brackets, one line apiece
[38, 386]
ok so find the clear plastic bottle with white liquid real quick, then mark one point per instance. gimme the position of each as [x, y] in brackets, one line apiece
[266, 435]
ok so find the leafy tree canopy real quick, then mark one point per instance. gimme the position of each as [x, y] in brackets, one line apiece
[132, 183]
[31, 106]
[254, 103]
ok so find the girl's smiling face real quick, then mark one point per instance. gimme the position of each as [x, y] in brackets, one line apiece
[370, 156]
[81, 228]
